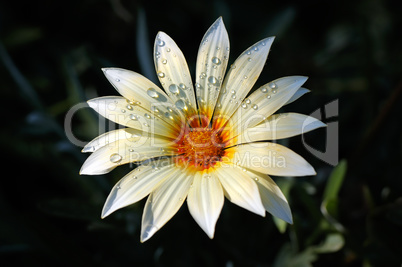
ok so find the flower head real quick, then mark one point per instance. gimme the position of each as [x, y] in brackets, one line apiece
[203, 142]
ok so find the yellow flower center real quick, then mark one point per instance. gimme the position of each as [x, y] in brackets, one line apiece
[201, 148]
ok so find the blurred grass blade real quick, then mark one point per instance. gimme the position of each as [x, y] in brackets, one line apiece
[329, 205]
[285, 185]
[27, 91]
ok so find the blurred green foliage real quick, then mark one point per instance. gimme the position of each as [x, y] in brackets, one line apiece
[51, 53]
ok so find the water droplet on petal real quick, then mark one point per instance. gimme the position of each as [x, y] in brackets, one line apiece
[264, 90]
[174, 89]
[255, 178]
[244, 105]
[161, 74]
[152, 93]
[129, 107]
[168, 49]
[272, 85]
[160, 42]
[146, 115]
[117, 80]
[115, 158]
[180, 104]
[134, 117]
[182, 86]
[213, 80]
[216, 61]
[268, 96]
[274, 91]
[248, 101]
[255, 107]
[164, 61]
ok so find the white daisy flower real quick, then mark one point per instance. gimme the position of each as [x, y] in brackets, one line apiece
[201, 142]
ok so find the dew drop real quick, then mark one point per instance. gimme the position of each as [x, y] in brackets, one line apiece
[233, 92]
[255, 107]
[115, 158]
[160, 43]
[255, 178]
[117, 80]
[152, 93]
[174, 89]
[164, 61]
[146, 115]
[131, 150]
[216, 61]
[213, 80]
[233, 96]
[274, 91]
[244, 105]
[264, 90]
[123, 111]
[180, 104]
[182, 86]
[248, 101]
[129, 107]
[268, 96]
[203, 75]
[118, 187]
[161, 74]
[245, 77]
[134, 117]
[168, 49]
[272, 85]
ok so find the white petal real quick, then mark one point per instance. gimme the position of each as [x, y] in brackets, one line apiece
[124, 151]
[137, 184]
[173, 73]
[164, 202]
[270, 158]
[112, 136]
[272, 198]
[265, 101]
[141, 91]
[212, 60]
[205, 201]
[299, 93]
[241, 77]
[279, 126]
[240, 188]
[119, 110]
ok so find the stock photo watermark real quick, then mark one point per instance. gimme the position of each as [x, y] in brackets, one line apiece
[141, 128]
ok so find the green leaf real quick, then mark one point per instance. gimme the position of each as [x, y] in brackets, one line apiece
[335, 181]
[329, 205]
[332, 243]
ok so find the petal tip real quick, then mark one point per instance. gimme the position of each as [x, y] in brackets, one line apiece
[147, 232]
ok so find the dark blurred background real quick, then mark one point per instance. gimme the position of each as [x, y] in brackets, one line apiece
[51, 54]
